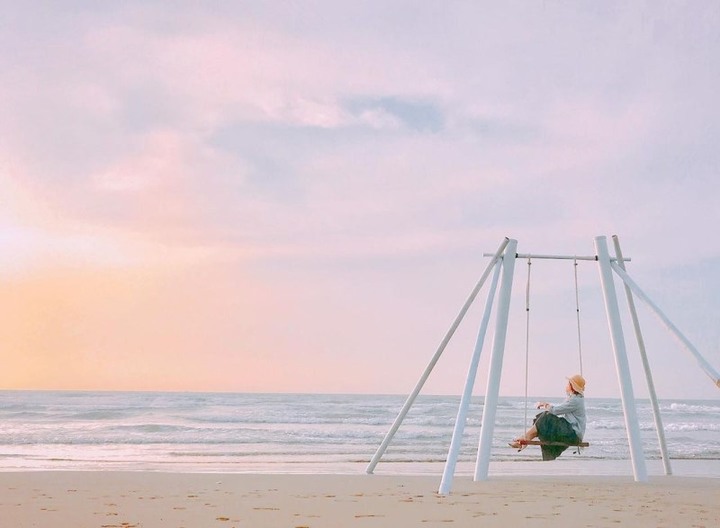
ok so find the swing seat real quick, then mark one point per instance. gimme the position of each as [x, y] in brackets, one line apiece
[541, 443]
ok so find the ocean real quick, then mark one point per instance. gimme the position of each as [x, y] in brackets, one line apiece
[314, 433]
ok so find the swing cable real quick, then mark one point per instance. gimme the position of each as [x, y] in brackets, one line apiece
[527, 339]
[577, 311]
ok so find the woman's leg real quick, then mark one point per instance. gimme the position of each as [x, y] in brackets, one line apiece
[530, 434]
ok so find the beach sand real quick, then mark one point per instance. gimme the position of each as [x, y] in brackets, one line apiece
[190, 500]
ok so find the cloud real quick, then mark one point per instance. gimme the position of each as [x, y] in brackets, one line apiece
[359, 137]
[421, 116]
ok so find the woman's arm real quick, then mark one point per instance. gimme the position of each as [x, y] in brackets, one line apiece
[570, 405]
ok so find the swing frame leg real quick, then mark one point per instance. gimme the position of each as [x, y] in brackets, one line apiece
[431, 365]
[621, 361]
[646, 363]
[487, 427]
[455, 443]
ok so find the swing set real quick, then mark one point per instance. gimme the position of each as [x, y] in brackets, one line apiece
[504, 260]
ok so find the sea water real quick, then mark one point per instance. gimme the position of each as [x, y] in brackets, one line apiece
[313, 433]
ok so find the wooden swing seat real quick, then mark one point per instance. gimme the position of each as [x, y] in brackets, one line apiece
[541, 443]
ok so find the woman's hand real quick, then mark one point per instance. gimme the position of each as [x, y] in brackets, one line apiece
[542, 405]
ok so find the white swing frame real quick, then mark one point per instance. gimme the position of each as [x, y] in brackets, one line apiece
[504, 259]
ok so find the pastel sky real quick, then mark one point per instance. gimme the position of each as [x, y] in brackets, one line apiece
[297, 196]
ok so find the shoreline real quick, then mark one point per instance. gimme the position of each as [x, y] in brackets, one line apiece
[568, 466]
[116, 499]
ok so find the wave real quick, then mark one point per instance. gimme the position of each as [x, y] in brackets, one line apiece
[692, 408]
[101, 415]
[681, 427]
[423, 420]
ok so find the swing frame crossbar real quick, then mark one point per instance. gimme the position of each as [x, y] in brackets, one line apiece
[502, 267]
[533, 256]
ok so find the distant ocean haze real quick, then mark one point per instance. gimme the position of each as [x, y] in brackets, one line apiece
[208, 432]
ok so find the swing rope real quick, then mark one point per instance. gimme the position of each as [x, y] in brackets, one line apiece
[577, 311]
[527, 339]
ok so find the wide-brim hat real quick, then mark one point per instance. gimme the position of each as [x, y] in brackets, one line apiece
[578, 383]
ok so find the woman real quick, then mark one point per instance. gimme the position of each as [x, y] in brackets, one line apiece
[564, 423]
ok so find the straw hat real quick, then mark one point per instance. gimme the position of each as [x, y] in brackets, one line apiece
[578, 383]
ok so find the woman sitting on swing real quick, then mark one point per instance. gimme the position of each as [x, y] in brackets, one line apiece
[563, 423]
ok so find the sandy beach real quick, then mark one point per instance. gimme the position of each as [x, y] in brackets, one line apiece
[187, 500]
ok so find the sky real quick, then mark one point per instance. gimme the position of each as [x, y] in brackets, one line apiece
[297, 196]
